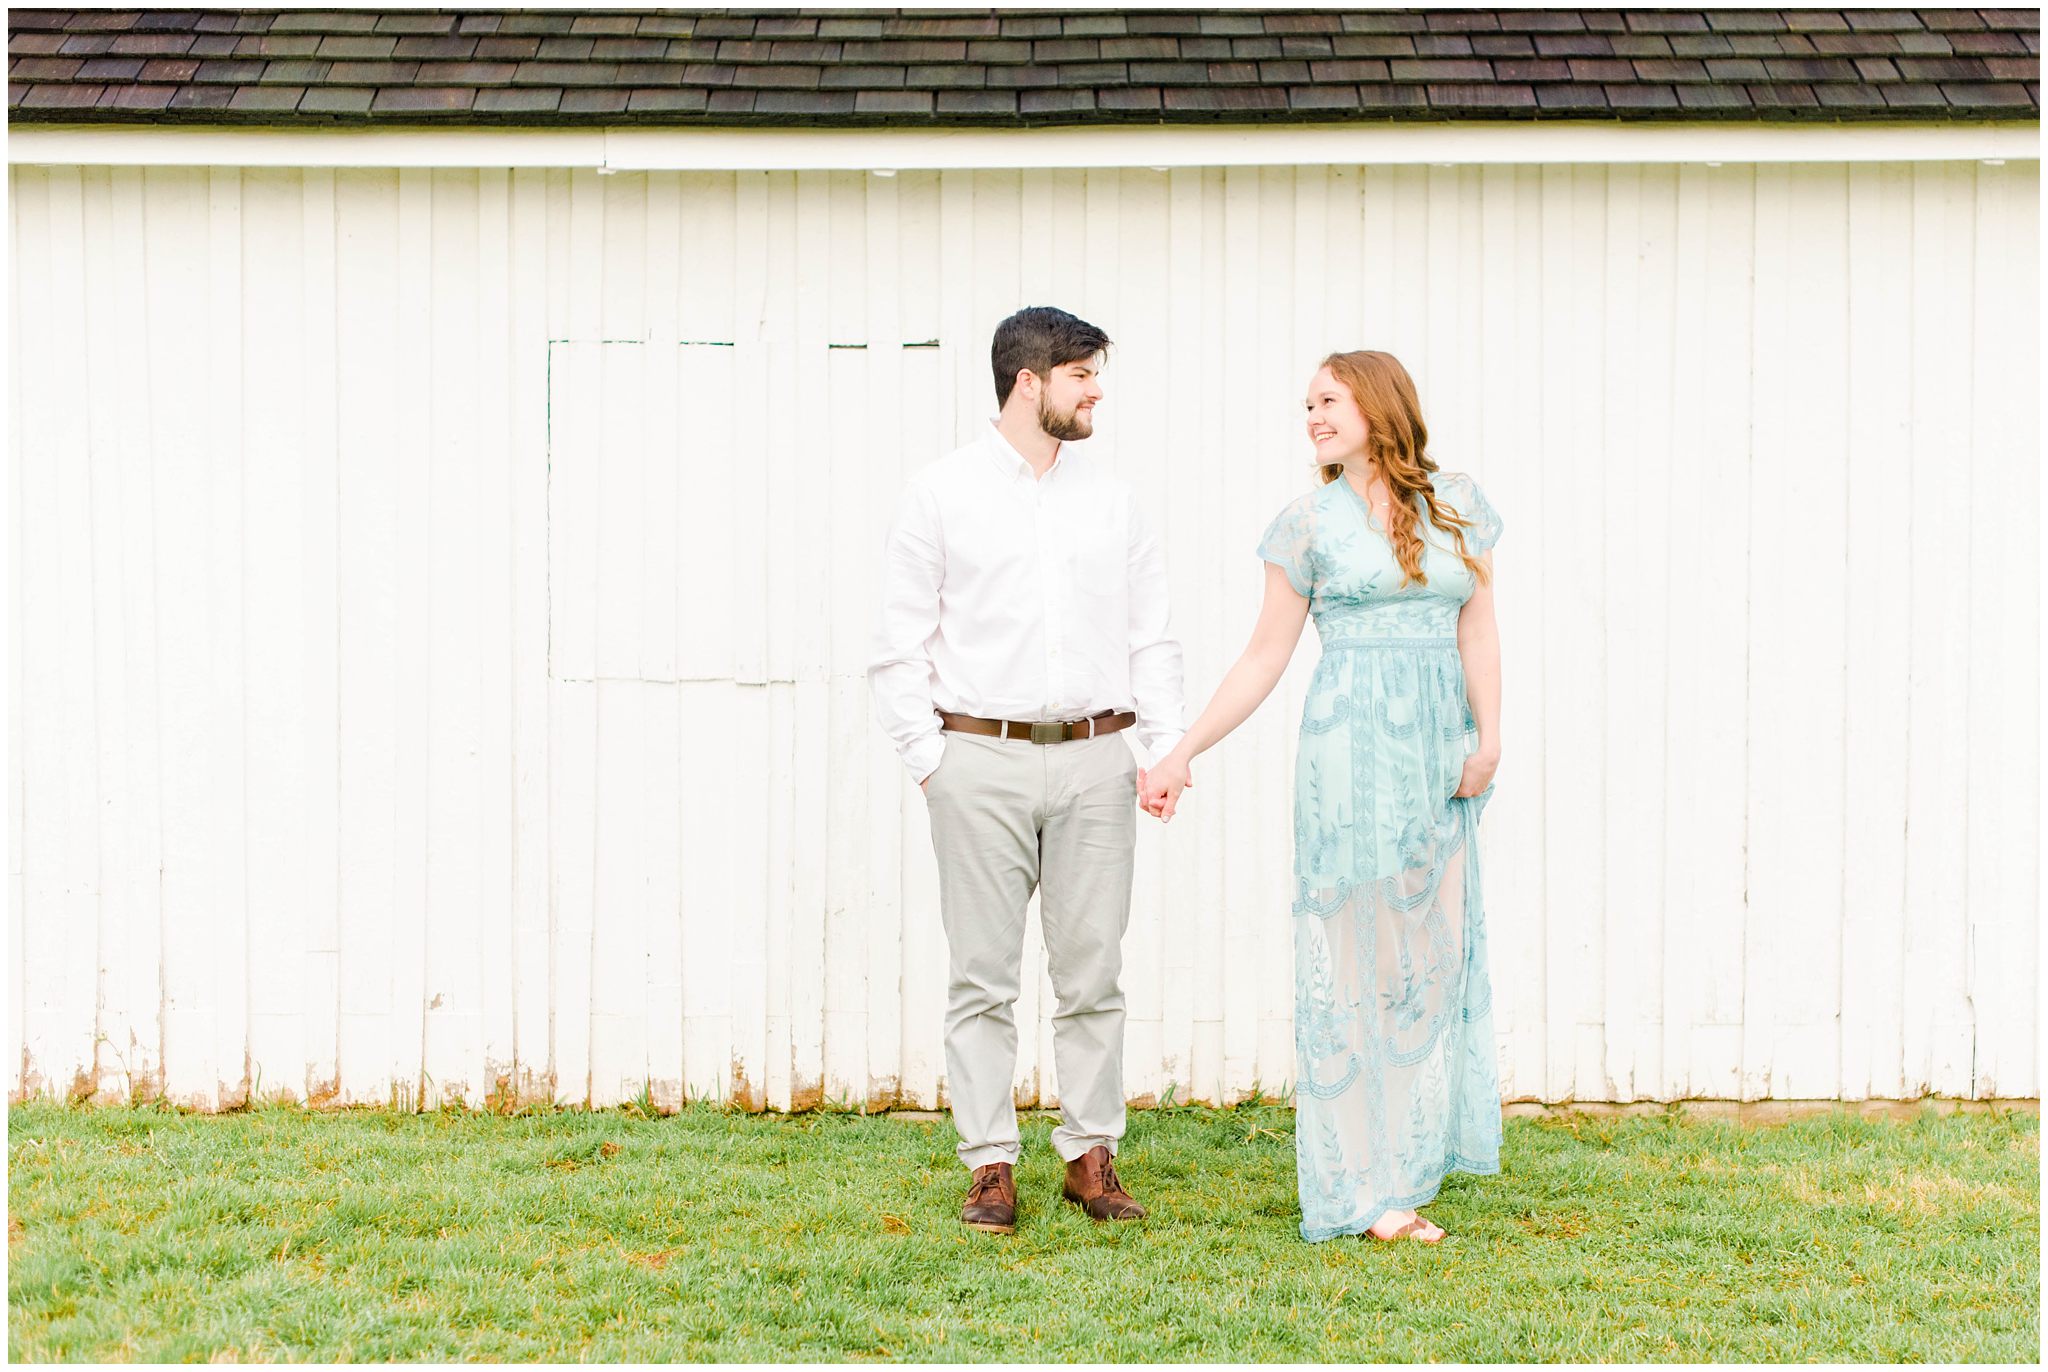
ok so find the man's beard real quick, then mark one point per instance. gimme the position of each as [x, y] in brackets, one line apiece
[1067, 428]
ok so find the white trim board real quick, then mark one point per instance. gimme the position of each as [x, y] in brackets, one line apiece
[1181, 145]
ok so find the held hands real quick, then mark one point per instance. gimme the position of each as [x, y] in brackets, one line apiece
[1159, 789]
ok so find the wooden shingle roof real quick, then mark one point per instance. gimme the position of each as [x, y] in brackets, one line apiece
[1016, 67]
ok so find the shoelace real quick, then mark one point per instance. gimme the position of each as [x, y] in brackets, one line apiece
[984, 1181]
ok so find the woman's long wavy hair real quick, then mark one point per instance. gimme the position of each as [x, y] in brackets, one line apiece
[1397, 443]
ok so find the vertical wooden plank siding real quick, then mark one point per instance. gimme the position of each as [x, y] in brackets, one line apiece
[1880, 512]
[412, 494]
[1706, 825]
[17, 893]
[488, 1047]
[1933, 987]
[319, 884]
[525, 475]
[131, 1030]
[273, 474]
[61, 828]
[439, 629]
[2002, 851]
[1510, 267]
[177, 397]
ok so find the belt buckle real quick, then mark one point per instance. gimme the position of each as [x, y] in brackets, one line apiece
[1054, 732]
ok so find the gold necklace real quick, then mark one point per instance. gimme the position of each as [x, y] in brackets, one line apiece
[1375, 504]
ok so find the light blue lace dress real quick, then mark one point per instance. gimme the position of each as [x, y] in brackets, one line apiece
[1395, 1081]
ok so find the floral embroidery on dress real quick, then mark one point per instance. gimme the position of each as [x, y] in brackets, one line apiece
[1396, 1083]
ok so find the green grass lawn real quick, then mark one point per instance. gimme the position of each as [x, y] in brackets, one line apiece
[276, 1233]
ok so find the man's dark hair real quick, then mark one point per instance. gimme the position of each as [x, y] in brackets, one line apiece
[1037, 340]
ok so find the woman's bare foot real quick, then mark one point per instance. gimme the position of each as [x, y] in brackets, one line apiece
[1405, 1224]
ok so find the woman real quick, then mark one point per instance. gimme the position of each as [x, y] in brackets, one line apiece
[1395, 1082]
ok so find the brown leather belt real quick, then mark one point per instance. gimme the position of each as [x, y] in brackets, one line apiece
[1048, 731]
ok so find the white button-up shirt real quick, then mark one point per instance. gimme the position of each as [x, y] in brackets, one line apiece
[1009, 597]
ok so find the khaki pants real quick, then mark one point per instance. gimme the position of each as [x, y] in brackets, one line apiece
[1008, 816]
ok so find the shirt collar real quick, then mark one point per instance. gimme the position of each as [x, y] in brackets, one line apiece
[1010, 462]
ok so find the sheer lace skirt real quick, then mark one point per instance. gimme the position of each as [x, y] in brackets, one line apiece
[1396, 1083]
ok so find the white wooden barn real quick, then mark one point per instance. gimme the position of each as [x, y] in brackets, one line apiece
[449, 454]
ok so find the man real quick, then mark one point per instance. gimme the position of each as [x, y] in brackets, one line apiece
[1023, 627]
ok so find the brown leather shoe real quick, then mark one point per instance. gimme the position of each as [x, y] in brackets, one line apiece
[991, 1200]
[1092, 1184]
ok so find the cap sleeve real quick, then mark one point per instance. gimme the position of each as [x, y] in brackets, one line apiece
[1462, 493]
[1289, 544]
